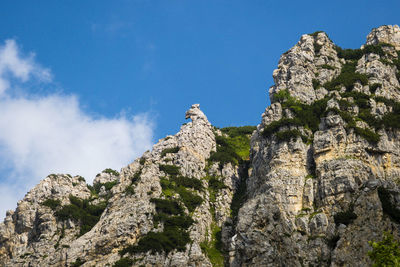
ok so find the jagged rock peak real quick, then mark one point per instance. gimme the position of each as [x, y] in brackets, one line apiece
[315, 67]
[194, 113]
[389, 34]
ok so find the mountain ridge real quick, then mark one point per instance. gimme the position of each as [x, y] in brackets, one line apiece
[310, 185]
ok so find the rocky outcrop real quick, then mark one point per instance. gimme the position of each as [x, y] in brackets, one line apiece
[317, 181]
[321, 155]
[46, 228]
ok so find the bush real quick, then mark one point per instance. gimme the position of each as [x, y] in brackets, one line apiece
[123, 262]
[376, 49]
[108, 185]
[168, 240]
[290, 135]
[370, 119]
[111, 171]
[174, 235]
[315, 34]
[328, 67]
[347, 77]
[282, 96]
[188, 182]
[374, 86]
[166, 206]
[136, 177]
[52, 203]
[216, 184]
[169, 169]
[238, 131]
[181, 221]
[385, 252]
[349, 54]
[316, 84]
[213, 248]
[80, 210]
[360, 99]
[190, 200]
[169, 150]
[77, 263]
[129, 190]
[367, 134]
[274, 126]
[226, 151]
[391, 120]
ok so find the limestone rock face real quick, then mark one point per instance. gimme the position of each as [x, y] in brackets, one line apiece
[385, 34]
[316, 194]
[321, 179]
[34, 235]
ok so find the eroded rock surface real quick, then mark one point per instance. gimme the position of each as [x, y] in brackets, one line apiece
[313, 194]
[319, 182]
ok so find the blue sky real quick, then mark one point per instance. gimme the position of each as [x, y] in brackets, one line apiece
[152, 60]
[162, 56]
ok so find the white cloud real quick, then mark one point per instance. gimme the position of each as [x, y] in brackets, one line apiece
[51, 134]
[12, 64]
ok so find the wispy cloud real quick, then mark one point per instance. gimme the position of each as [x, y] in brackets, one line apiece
[112, 28]
[12, 65]
[43, 134]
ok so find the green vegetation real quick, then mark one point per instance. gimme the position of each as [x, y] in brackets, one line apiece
[316, 84]
[315, 34]
[345, 217]
[169, 169]
[213, 248]
[179, 185]
[349, 54]
[174, 234]
[385, 252]
[290, 135]
[191, 200]
[238, 131]
[167, 206]
[328, 67]
[240, 195]
[95, 189]
[193, 183]
[123, 262]
[111, 171]
[136, 177]
[52, 203]
[129, 190]
[387, 205]
[374, 86]
[80, 210]
[234, 147]
[307, 116]
[215, 184]
[367, 134]
[169, 239]
[81, 179]
[347, 77]
[225, 152]
[77, 263]
[169, 150]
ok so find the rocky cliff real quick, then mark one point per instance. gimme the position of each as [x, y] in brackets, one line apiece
[317, 180]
